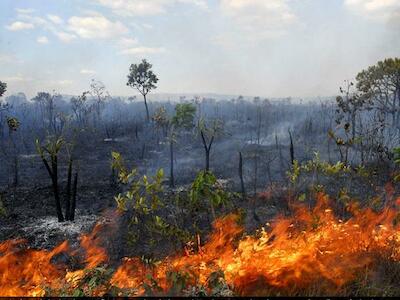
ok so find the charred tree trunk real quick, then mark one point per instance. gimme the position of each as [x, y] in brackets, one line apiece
[279, 149]
[291, 149]
[255, 172]
[54, 164]
[16, 173]
[136, 132]
[241, 176]
[14, 148]
[353, 125]
[74, 193]
[147, 108]
[171, 152]
[207, 149]
[143, 151]
[68, 192]
[53, 172]
[207, 160]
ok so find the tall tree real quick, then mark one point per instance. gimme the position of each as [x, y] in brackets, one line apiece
[47, 104]
[81, 109]
[208, 133]
[100, 94]
[182, 120]
[184, 115]
[142, 78]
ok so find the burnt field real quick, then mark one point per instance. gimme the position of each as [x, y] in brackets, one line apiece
[224, 196]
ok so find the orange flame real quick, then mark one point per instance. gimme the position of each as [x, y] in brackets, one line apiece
[311, 247]
[27, 272]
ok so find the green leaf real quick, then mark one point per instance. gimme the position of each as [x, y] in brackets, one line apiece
[302, 197]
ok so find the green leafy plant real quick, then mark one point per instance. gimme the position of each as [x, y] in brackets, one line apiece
[143, 199]
[93, 279]
[205, 188]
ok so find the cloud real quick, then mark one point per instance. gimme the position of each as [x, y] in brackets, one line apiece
[64, 36]
[199, 3]
[25, 10]
[96, 27]
[55, 19]
[87, 72]
[145, 7]
[9, 58]
[261, 19]
[378, 10]
[17, 25]
[42, 40]
[4, 58]
[63, 82]
[91, 26]
[127, 42]
[142, 51]
[16, 78]
[55, 29]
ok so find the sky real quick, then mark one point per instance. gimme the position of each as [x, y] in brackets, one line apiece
[266, 48]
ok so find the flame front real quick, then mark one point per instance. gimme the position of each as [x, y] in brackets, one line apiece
[29, 272]
[309, 248]
[313, 247]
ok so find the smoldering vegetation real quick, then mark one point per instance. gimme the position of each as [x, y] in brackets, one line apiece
[165, 173]
[249, 126]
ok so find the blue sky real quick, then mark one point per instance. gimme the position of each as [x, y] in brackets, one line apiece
[269, 48]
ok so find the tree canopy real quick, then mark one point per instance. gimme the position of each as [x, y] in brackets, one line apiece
[3, 88]
[184, 115]
[142, 78]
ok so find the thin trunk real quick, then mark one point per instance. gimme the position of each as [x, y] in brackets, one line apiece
[136, 132]
[16, 170]
[291, 148]
[353, 125]
[143, 150]
[15, 160]
[214, 216]
[278, 147]
[207, 160]
[329, 150]
[171, 149]
[147, 108]
[68, 193]
[207, 149]
[255, 173]
[241, 175]
[54, 166]
[74, 192]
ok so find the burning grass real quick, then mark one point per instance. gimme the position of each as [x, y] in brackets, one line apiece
[309, 253]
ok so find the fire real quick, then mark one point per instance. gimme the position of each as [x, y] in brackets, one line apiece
[296, 252]
[95, 255]
[312, 247]
[29, 272]
[25, 272]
